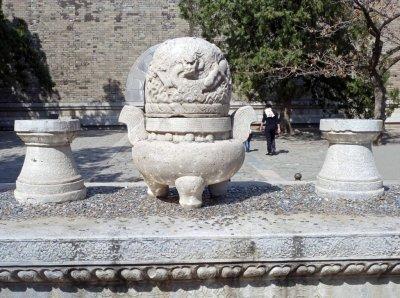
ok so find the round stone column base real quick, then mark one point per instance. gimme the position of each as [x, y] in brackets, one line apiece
[39, 194]
[357, 190]
[353, 195]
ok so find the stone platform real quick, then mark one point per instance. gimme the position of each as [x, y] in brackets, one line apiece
[122, 243]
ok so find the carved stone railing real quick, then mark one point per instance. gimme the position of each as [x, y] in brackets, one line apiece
[159, 273]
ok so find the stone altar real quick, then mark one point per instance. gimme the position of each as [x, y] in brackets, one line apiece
[49, 173]
[349, 169]
[186, 138]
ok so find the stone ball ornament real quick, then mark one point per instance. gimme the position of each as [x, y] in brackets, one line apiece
[298, 176]
[188, 77]
[186, 137]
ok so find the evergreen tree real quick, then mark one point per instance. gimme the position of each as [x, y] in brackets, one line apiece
[272, 44]
[24, 72]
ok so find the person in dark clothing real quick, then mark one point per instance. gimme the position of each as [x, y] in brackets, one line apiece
[270, 123]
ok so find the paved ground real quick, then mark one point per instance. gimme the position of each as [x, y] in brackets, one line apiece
[104, 156]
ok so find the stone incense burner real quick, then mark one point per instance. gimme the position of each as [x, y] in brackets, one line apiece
[186, 137]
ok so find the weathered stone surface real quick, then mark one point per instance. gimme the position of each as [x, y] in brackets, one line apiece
[137, 77]
[255, 254]
[154, 240]
[188, 77]
[350, 125]
[190, 190]
[164, 162]
[189, 125]
[46, 126]
[49, 173]
[242, 119]
[134, 119]
[349, 169]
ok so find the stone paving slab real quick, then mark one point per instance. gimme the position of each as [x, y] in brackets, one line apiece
[105, 156]
[305, 157]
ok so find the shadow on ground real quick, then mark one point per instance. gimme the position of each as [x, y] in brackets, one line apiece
[299, 135]
[92, 163]
[10, 167]
[103, 190]
[281, 152]
[95, 132]
[238, 191]
[391, 136]
[9, 140]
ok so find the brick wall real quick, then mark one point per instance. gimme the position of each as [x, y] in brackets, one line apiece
[91, 44]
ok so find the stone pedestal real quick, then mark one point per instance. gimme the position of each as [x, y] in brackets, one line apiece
[349, 169]
[49, 173]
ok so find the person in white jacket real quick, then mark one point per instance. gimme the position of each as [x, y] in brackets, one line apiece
[270, 124]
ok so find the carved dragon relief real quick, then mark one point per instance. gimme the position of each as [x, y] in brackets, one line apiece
[185, 77]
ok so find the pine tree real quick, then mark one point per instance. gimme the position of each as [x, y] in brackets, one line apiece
[274, 43]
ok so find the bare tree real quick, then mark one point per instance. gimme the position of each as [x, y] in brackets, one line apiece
[381, 50]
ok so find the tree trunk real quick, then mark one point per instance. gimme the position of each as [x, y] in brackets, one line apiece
[286, 126]
[380, 101]
[380, 104]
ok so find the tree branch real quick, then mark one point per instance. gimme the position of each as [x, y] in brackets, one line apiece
[392, 62]
[370, 23]
[391, 52]
[388, 21]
